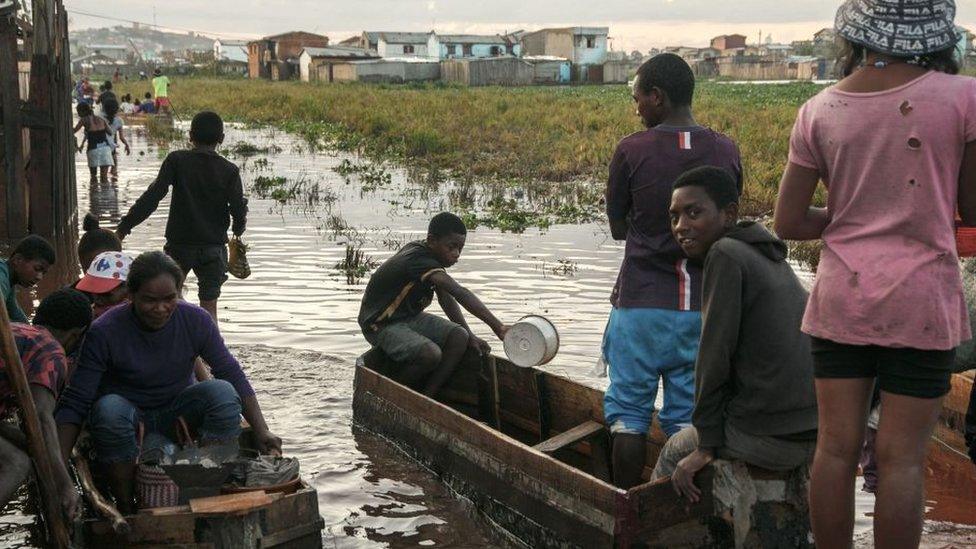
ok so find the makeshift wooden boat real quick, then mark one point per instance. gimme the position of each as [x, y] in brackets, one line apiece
[146, 119]
[285, 515]
[530, 451]
[949, 432]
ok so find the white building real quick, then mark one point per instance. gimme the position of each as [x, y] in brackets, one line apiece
[230, 50]
[112, 51]
[464, 46]
[401, 44]
[585, 47]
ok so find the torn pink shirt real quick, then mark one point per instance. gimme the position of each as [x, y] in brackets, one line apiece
[889, 274]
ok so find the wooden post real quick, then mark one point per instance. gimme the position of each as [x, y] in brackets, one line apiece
[13, 182]
[44, 469]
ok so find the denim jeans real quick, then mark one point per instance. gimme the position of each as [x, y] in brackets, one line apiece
[211, 408]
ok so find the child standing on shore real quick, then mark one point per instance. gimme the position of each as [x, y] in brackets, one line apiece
[207, 194]
[895, 144]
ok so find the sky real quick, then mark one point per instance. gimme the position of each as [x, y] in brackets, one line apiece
[634, 24]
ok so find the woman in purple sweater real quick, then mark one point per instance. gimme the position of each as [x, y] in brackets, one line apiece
[136, 368]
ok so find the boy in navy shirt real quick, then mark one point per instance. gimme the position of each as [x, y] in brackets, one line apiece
[656, 320]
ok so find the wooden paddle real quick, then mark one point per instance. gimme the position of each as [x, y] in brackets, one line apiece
[44, 470]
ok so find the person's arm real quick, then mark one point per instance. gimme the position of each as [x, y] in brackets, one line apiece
[238, 204]
[149, 201]
[81, 390]
[618, 196]
[454, 314]
[124, 142]
[967, 186]
[443, 282]
[795, 218]
[721, 319]
[45, 403]
[224, 366]
[14, 311]
[970, 426]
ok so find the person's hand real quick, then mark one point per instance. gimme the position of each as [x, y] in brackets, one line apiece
[121, 235]
[502, 330]
[683, 478]
[481, 346]
[268, 442]
[70, 502]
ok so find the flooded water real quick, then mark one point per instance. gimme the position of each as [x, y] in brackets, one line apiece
[293, 322]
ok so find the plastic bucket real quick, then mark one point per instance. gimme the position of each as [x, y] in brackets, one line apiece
[532, 341]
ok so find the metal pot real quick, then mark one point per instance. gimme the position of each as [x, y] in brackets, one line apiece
[532, 341]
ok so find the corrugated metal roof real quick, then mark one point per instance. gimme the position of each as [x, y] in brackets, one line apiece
[107, 47]
[471, 39]
[404, 37]
[339, 51]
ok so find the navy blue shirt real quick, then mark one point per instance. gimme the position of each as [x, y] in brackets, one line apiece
[655, 272]
[148, 368]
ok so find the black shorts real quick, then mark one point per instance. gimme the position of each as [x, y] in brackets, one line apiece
[909, 372]
[209, 263]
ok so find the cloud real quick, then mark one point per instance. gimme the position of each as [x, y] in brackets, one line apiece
[633, 24]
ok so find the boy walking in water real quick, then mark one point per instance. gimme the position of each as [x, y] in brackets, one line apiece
[207, 193]
[655, 322]
[392, 317]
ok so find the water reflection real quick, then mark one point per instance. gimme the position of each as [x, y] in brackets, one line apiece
[103, 203]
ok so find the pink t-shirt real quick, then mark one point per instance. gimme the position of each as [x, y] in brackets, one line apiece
[889, 274]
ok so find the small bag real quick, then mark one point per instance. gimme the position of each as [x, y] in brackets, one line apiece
[154, 488]
[237, 258]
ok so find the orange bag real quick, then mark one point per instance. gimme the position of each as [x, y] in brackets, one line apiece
[966, 241]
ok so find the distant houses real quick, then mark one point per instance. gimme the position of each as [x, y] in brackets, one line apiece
[584, 47]
[276, 57]
[319, 64]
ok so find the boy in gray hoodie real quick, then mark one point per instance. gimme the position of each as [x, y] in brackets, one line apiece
[754, 395]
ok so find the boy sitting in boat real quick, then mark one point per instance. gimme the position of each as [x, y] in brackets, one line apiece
[59, 326]
[28, 263]
[134, 379]
[754, 394]
[427, 347]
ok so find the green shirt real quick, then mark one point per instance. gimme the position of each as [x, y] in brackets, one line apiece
[14, 311]
[161, 86]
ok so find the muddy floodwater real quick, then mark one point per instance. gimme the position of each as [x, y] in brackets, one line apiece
[293, 322]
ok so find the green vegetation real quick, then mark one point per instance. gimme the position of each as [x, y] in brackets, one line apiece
[510, 135]
[356, 264]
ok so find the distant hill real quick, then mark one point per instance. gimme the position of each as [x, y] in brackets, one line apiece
[149, 41]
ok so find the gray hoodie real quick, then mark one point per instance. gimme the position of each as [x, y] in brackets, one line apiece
[754, 367]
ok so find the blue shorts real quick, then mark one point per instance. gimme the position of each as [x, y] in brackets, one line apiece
[640, 347]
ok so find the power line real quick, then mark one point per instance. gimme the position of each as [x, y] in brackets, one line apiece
[157, 27]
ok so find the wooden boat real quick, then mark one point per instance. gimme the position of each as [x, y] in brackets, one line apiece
[285, 516]
[145, 119]
[530, 451]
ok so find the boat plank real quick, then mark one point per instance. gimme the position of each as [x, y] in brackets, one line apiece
[568, 438]
[658, 506]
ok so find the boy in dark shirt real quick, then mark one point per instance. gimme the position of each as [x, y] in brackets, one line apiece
[391, 316]
[754, 392]
[207, 193]
[28, 263]
[654, 326]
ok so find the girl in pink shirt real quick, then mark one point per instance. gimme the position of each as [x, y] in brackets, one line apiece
[889, 142]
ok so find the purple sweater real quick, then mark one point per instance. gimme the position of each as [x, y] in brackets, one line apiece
[148, 368]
